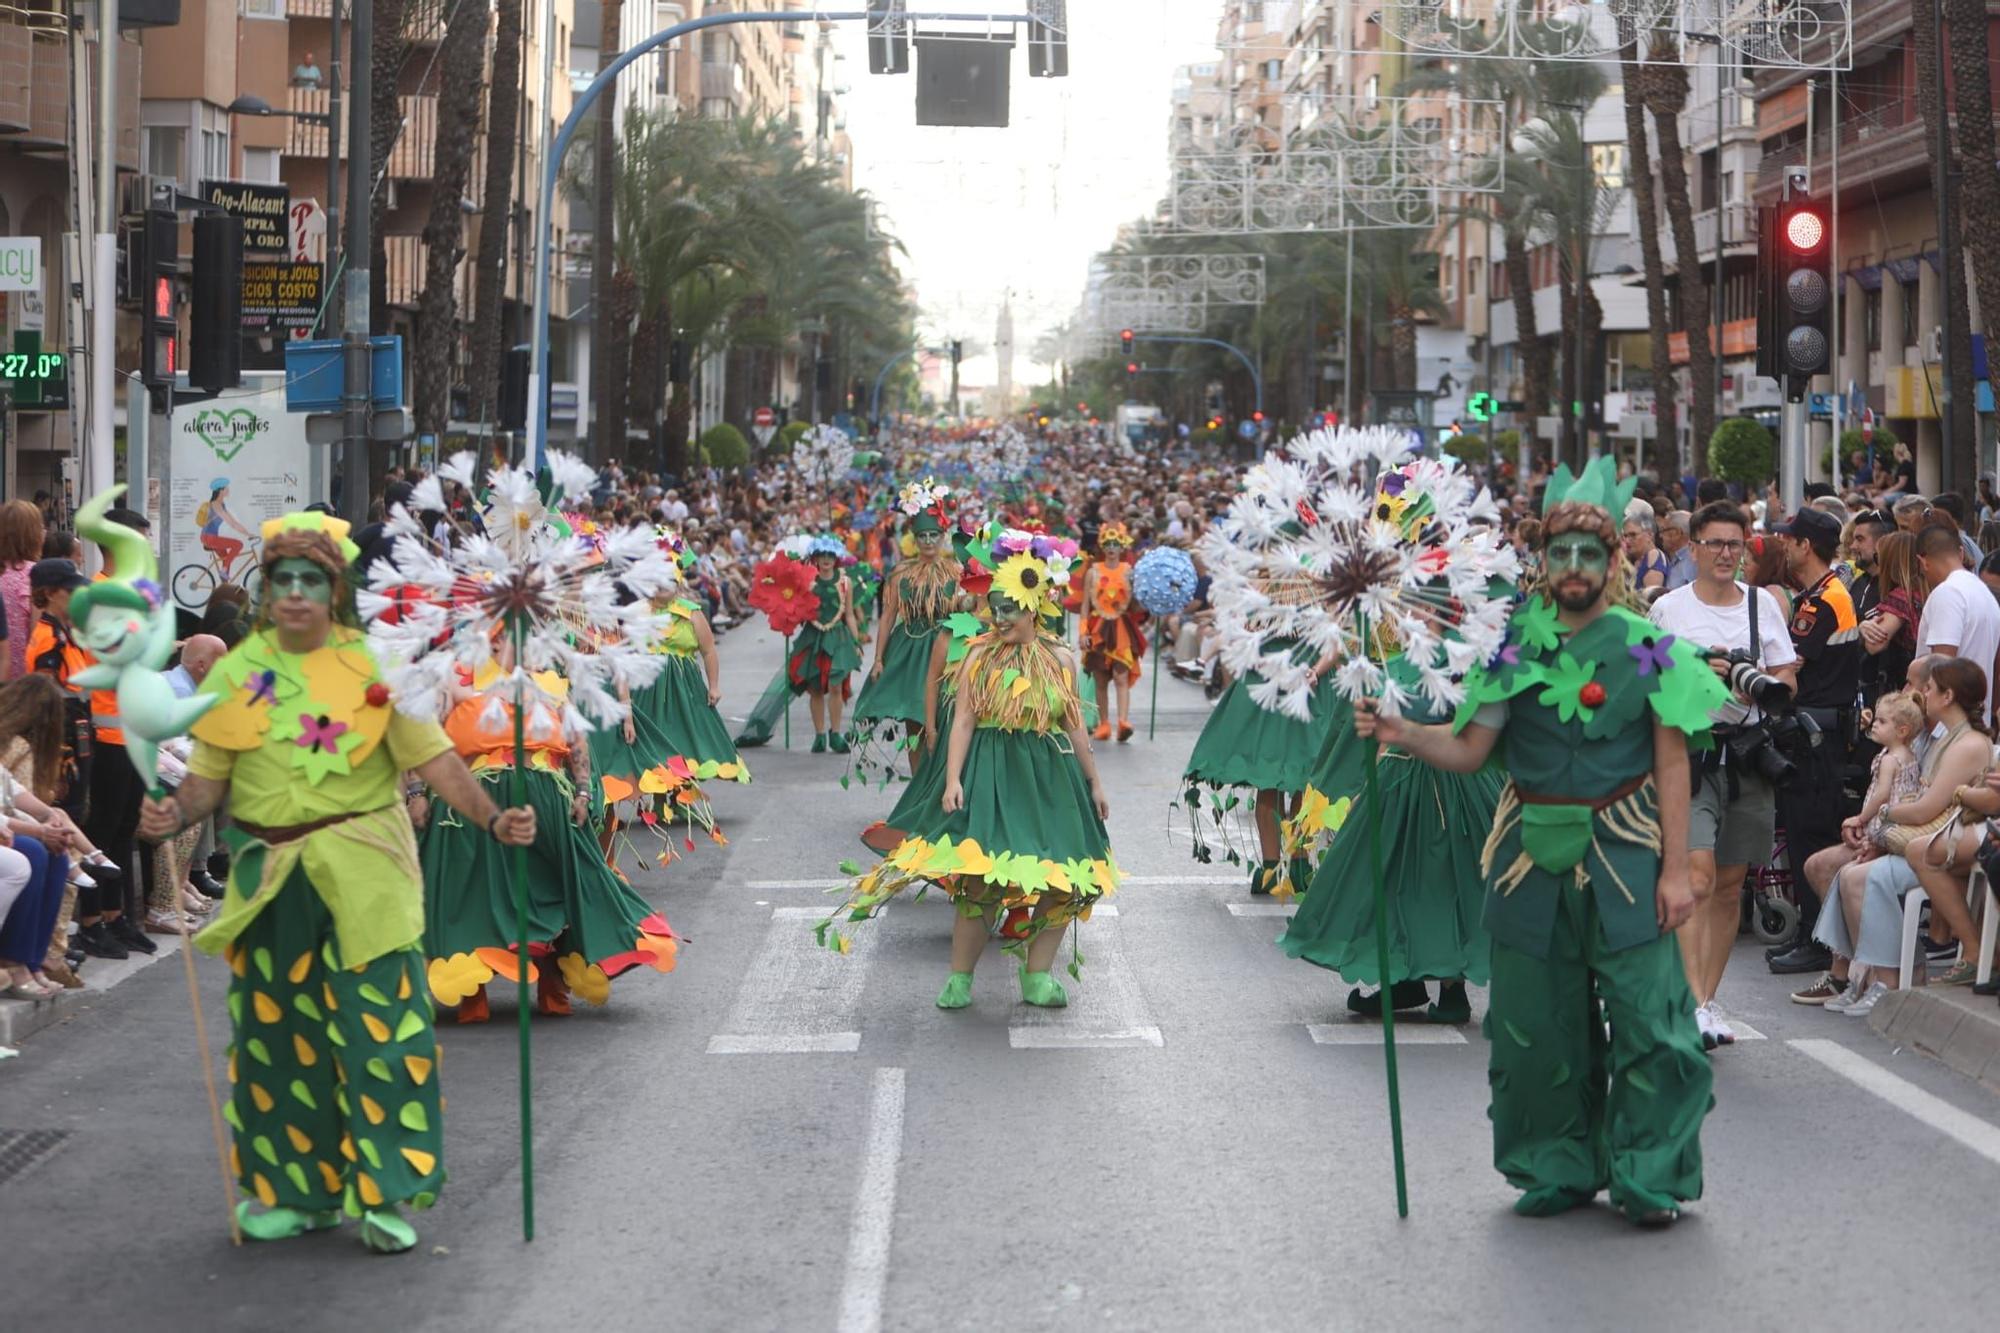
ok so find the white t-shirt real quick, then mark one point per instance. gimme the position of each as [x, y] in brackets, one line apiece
[1960, 613]
[1702, 626]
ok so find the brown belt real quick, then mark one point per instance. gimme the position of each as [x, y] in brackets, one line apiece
[1594, 802]
[289, 832]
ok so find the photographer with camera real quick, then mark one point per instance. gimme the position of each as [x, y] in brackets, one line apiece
[1733, 814]
[1826, 635]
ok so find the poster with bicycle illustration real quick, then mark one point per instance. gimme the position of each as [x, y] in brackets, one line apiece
[237, 460]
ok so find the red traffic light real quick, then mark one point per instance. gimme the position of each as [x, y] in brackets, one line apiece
[1131, 367]
[1125, 334]
[1805, 229]
[1257, 417]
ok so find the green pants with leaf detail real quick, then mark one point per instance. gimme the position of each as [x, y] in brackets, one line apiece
[1575, 1107]
[333, 1070]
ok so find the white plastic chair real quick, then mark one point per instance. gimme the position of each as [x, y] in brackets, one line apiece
[1981, 897]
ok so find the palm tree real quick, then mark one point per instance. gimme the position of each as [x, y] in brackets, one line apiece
[1639, 173]
[1978, 196]
[435, 356]
[1665, 85]
[496, 211]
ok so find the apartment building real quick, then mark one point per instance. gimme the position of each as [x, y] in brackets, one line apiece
[38, 195]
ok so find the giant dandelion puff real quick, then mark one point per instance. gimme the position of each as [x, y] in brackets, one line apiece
[531, 577]
[1001, 456]
[1346, 545]
[823, 455]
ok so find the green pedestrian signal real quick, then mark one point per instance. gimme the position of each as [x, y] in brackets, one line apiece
[1480, 407]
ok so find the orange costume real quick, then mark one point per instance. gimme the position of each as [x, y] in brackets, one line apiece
[1112, 637]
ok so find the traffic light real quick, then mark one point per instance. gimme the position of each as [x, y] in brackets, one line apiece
[514, 368]
[1480, 407]
[1048, 39]
[888, 37]
[1795, 300]
[215, 356]
[1125, 344]
[159, 237]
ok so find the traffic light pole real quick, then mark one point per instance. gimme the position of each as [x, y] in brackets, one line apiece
[875, 401]
[101, 457]
[357, 382]
[1256, 378]
[538, 376]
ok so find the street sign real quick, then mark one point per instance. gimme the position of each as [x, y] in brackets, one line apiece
[265, 211]
[764, 416]
[1510, 405]
[283, 296]
[20, 264]
[763, 434]
[1819, 406]
[1247, 429]
[308, 231]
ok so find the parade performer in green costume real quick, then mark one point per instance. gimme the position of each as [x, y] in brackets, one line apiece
[334, 1064]
[916, 598]
[1596, 1067]
[585, 924]
[826, 650]
[919, 806]
[1023, 809]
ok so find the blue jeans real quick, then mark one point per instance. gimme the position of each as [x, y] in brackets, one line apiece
[24, 935]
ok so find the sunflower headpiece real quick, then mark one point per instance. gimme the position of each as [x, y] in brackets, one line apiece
[1033, 569]
[1114, 534]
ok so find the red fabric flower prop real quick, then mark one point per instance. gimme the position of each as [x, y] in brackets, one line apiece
[782, 588]
[977, 578]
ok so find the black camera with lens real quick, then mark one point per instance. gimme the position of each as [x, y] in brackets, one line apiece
[1771, 746]
[1752, 682]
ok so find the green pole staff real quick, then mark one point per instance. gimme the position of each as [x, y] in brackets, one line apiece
[1153, 709]
[519, 786]
[786, 667]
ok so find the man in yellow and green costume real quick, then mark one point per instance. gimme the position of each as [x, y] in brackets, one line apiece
[1587, 872]
[333, 1065]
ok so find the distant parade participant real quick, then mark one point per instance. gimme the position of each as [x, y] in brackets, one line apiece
[333, 1061]
[916, 597]
[919, 803]
[1020, 822]
[826, 650]
[1113, 642]
[1596, 1066]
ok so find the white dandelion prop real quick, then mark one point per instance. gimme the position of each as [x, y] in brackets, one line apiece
[1001, 456]
[823, 455]
[1344, 546]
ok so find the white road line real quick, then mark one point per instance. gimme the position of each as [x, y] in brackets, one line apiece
[796, 883]
[873, 1223]
[1370, 1034]
[1743, 1031]
[1152, 880]
[1962, 1126]
[1261, 909]
[798, 997]
[1059, 1039]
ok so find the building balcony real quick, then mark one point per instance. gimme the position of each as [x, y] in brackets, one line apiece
[723, 81]
[1739, 228]
[1874, 146]
[305, 139]
[404, 259]
[415, 155]
[309, 9]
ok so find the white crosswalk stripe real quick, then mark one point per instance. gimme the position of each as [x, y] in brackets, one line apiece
[798, 997]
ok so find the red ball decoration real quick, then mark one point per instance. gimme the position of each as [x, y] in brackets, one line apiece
[1591, 695]
[378, 695]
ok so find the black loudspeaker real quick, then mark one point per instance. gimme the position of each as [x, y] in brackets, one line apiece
[963, 81]
[215, 360]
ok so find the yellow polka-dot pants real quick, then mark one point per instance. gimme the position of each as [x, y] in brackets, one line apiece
[334, 1070]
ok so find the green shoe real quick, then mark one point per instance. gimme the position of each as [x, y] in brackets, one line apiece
[839, 743]
[1451, 1006]
[957, 992]
[1263, 878]
[384, 1231]
[1042, 990]
[819, 742]
[283, 1223]
[1302, 874]
[1549, 1200]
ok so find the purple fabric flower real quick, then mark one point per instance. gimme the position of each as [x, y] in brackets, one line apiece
[1653, 654]
[1393, 483]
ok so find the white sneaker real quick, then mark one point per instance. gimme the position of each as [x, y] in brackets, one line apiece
[1725, 1035]
[81, 880]
[1869, 999]
[1704, 1023]
[1857, 986]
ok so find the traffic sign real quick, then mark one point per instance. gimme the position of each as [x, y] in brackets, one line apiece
[763, 434]
[1480, 407]
[1248, 429]
[1510, 405]
[764, 416]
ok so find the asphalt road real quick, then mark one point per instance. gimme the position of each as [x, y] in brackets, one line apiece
[775, 1137]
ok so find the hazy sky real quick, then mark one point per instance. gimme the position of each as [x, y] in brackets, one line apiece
[984, 212]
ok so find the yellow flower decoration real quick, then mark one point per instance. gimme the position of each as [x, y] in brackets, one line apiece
[586, 980]
[1024, 580]
[453, 979]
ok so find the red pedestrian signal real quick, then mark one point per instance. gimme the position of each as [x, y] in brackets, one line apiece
[1795, 296]
[1125, 343]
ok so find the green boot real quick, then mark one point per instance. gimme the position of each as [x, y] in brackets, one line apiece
[1549, 1200]
[385, 1231]
[1042, 990]
[1263, 879]
[839, 743]
[1452, 1004]
[283, 1223]
[819, 742]
[1302, 874]
[957, 992]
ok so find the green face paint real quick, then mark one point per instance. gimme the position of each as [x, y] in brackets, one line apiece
[1578, 550]
[295, 576]
[1006, 611]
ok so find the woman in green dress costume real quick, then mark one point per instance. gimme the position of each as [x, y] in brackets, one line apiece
[916, 597]
[1023, 810]
[1244, 747]
[585, 925]
[826, 650]
[680, 704]
[1434, 824]
[919, 806]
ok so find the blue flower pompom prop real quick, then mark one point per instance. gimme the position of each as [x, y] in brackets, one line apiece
[1164, 580]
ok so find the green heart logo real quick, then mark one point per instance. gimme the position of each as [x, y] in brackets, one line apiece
[218, 433]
